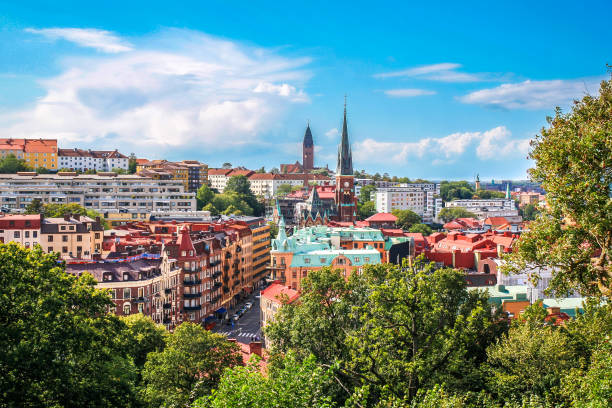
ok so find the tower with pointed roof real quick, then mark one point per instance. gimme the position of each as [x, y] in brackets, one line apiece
[308, 150]
[346, 202]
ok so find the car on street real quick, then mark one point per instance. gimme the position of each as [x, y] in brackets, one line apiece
[248, 305]
[235, 317]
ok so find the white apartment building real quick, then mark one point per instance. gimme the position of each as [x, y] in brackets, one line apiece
[99, 160]
[101, 192]
[218, 178]
[421, 198]
[494, 207]
[267, 184]
[361, 182]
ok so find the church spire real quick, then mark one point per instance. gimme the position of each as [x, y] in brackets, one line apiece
[345, 156]
[308, 142]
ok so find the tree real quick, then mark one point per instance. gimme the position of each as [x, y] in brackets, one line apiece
[448, 214]
[59, 346]
[529, 212]
[530, 359]
[241, 186]
[261, 170]
[292, 383]
[210, 207]
[35, 207]
[54, 210]
[42, 170]
[573, 162]
[274, 170]
[366, 209]
[11, 164]
[365, 194]
[189, 367]
[119, 170]
[273, 229]
[283, 190]
[227, 165]
[142, 336]
[487, 194]
[417, 327]
[406, 218]
[421, 228]
[452, 190]
[204, 196]
[132, 164]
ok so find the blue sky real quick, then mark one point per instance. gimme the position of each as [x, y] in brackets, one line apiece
[440, 92]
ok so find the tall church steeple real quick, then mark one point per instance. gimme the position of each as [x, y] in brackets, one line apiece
[345, 155]
[308, 150]
[346, 202]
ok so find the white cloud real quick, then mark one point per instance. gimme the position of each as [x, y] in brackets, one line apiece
[443, 72]
[202, 93]
[407, 92]
[492, 144]
[101, 40]
[533, 94]
[332, 133]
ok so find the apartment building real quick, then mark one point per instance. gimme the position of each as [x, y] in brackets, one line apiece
[422, 198]
[267, 184]
[494, 207]
[218, 178]
[102, 191]
[197, 174]
[36, 152]
[98, 160]
[73, 237]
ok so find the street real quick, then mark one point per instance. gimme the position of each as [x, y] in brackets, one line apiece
[247, 328]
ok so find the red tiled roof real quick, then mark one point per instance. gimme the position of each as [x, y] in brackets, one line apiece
[142, 161]
[382, 217]
[496, 221]
[275, 291]
[218, 172]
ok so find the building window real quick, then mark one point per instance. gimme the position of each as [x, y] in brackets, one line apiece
[97, 235]
[79, 238]
[49, 249]
[140, 308]
[306, 260]
[50, 238]
[64, 238]
[26, 234]
[127, 293]
[126, 309]
[34, 234]
[16, 234]
[64, 250]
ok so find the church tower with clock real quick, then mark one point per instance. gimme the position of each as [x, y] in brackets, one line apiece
[346, 202]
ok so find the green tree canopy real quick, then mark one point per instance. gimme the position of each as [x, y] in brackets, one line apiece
[204, 196]
[283, 189]
[453, 190]
[35, 207]
[59, 347]
[406, 218]
[366, 193]
[188, 368]
[11, 164]
[573, 162]
[529, 212]
[421, 228]
[132, 164]
[366, 209]
[141, 337]
[294, 383]
[486, 194]
[241, 186]
[448, 214]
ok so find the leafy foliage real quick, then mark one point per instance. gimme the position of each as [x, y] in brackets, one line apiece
[453, 190]
[188, 368]
[60, 347]
[294, 383]
[11, 164]
[366, 192]
[529, 212]
[366, 209]
[406, 218]
[450, 213]
[421, 228]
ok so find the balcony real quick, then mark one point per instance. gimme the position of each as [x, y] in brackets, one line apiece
[225, 289]
[192, 295]
[228, 255]
[189, 282]
[215, 299]
[216, 285]
[140, 299]
[167, 305]
[167, 291]
[216, 274]
[192, 308]
[167, 320]
[215, 263]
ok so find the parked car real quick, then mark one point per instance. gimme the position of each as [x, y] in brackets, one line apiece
[235, 317]
[248, 305]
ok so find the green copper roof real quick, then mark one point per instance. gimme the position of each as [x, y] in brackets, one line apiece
[320, 258]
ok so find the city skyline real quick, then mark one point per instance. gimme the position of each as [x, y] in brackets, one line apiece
[424, 100]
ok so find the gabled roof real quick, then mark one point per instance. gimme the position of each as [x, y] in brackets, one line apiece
[382, 217]
[276, 292]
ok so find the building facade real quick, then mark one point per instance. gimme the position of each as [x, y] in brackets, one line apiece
[218, 178]
[102, 191]
[494, 207]
[36, 152]
[422, 198]
[98, 160]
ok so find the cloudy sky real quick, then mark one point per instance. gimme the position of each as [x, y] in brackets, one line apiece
[437, 93]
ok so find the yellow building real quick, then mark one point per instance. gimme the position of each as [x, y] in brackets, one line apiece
[116, 218]
[36, 152]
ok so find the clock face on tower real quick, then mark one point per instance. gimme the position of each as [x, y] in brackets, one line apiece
[346, 184]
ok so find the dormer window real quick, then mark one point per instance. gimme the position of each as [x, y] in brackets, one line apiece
[126, 276]
[183, 253]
